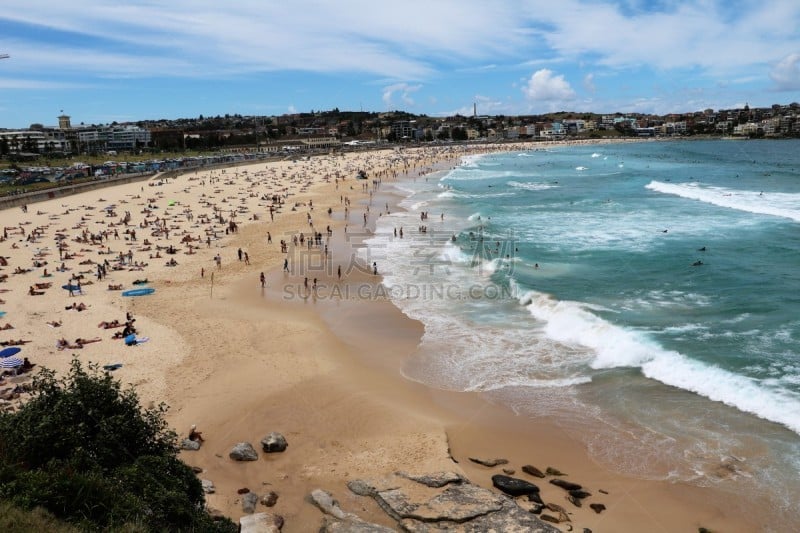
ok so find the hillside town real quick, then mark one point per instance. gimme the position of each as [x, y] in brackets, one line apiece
[236, 137]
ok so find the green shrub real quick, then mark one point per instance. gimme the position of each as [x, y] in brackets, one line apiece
[83, 449]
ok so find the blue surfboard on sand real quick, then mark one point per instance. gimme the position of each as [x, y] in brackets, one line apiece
[139, 292]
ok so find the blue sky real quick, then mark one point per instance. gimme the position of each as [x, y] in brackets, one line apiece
[109, 60]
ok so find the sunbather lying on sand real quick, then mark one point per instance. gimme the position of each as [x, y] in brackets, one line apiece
[13, 342]
[81, 342]
[63, 344]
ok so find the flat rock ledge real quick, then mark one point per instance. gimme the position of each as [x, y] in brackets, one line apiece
[441, 501]
[260, 523]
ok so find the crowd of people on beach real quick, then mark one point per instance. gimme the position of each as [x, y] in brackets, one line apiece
[114, 239]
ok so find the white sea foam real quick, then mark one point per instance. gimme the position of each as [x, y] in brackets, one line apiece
[531, 185]
[743, 393]
[581, 168]
[472, 174]
[786, 205]
[596, 155]
[471, 160]
[572, 323]
[456, 194]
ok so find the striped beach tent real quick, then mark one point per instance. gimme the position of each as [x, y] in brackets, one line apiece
[10, 362]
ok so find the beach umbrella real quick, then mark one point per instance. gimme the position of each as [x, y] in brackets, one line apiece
[11, 350]
[11, 362]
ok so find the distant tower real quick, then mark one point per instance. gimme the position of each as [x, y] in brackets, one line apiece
[475, 109]
[63, 122]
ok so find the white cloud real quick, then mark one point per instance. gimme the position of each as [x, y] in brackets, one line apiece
[10, 83]
[546, 86]
[706, 34]
[403, 89]
[305, 35]
[786, 74]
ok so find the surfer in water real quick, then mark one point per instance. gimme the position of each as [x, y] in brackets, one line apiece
[697, 263]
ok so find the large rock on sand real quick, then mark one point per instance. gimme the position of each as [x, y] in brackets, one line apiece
[513, 486]
[243, 451]
[260, 523]
[274, 442]
[249, 502]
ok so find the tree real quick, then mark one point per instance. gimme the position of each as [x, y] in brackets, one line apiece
[459, 134]
[83, 449]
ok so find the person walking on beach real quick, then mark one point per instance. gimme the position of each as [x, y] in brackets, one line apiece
[286, 265]
[375, 268]
[263, 280]
[339, 272]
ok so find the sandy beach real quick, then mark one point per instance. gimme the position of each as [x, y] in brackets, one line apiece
[241, 360]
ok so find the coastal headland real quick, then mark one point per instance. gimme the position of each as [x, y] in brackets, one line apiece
[240, 358]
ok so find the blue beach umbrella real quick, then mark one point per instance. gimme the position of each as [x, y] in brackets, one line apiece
[11, 350]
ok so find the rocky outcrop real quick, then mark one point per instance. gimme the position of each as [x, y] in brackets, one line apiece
[274, 442]
[249, 502]
[444, 501]
[513, 486]
[437, 480]
[208, 486]
[243, 451]
[338, 520]
[597, 507]
[532, 470]
[260, 523]
[489, 462]
[566, 485]
[191, 445]
[269, 499]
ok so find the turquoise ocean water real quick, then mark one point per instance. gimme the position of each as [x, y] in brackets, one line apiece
[644, 295]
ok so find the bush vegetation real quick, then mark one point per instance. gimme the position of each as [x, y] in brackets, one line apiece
[85, 451]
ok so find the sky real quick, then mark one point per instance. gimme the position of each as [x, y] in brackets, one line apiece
[101, 61]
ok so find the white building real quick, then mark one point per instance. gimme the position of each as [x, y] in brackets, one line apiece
[35, 141]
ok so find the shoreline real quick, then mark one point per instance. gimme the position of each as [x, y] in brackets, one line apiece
[243, 365]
